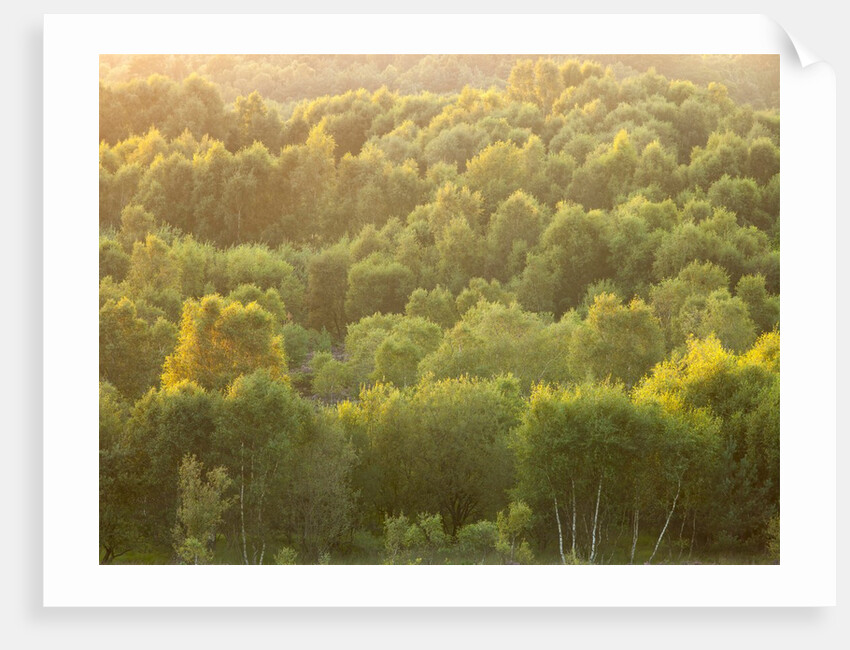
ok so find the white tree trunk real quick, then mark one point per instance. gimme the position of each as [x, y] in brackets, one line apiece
[595, 521]
[560, 531]
[666, 523]
[634, 534]
[572, 482]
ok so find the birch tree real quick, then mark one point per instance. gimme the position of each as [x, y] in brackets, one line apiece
[263, 419]
[201, 507]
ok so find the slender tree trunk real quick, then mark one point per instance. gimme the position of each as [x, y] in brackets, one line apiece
[666, 523]
[242, 504]
[572, 482]
[635, 521]
[595, 521]
[560, 531]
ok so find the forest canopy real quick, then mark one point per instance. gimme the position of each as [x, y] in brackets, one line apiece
[439, 309]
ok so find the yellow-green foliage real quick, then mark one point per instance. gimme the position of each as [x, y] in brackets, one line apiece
[219, 341]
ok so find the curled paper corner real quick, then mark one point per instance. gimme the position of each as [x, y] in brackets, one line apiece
[795, 47]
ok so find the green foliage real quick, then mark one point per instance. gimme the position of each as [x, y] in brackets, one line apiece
[114, 262]
[268, 300]
[318, 501]
[220, 341]
[201, 507]
[263, 422]
[132, 352]
[377, 285]
[762, 307]
[480, 290]
[514, 230]
[397, 357]
[286, 556]
[437, 306]
[163, 426]
[478, 539]
[617, 342]
[332, 379]
[743, 393]
[576, 245]
[440, 248]
[436, 447]
[120, 528]
[773, 538]
[492, 339]
[512, 526]
[413, 542]
[591, 447]
[327, 282]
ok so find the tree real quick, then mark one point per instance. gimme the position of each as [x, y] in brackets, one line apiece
[319, 502]
[659, 167]
[165, 190]
[492, 339]
[377, 284]
[762, 160]
[219, 341]
[120, 528]
[439, 446]
[456, 145]
[437, 306]
[521, 81]
[605, 176]
[213, 170]
[669, 297]
[573, 443]
[397, 357]
[503, 168]
[263, 422]
[720, 314]
[136, 224]
[313, 183]
[478, 539]
[327, 283]
[592, 454]
[724, 153]
[742, 197]
[514, 230]
[479, 289]
[200, 510]
[152, 267]
[114, 261]
[576, 244]
[163, 426]
[256, 123]
[333, 380]
[131, 351]
[461, 253]
[743, 394]
[512, 524]
[269, 300]
[617, 342]
[248, 199]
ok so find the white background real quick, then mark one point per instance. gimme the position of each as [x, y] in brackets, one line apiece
[136, 628]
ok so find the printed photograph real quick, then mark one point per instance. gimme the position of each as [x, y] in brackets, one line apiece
[439, 309]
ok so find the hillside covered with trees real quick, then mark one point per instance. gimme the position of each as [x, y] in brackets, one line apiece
[439, 309]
